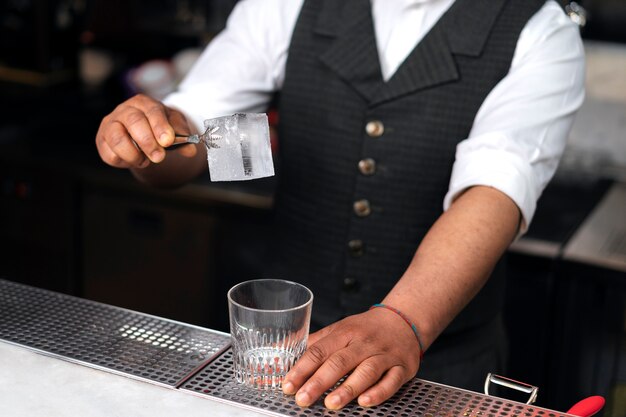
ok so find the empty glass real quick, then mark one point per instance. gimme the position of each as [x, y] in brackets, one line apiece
[269, 327]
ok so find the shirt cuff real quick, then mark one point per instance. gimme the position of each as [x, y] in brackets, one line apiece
[502, 170]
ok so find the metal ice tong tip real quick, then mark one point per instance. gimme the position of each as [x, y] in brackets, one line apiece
[209, 137]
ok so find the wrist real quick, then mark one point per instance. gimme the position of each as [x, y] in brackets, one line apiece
[419, 313]
[407, 322]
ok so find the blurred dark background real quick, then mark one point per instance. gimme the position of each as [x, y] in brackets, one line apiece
[72, 224]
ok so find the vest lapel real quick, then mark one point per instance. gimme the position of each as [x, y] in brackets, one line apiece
[462, 30]
[353, 55]
[467, 28]
[431, 63]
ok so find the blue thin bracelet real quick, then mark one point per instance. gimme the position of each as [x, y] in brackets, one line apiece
[406, 319]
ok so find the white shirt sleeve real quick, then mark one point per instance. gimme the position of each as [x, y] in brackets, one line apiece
[243, 66]
[521, 129]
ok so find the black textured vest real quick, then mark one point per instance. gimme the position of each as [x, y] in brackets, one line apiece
[365, 164]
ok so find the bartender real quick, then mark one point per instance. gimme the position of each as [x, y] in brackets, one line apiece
[415, 139]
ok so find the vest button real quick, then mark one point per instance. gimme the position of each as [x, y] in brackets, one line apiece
[350, 284]
[375, 128]
[356, 247]
[367, 166]
[362, 208]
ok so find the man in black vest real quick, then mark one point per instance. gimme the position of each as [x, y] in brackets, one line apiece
[389, 111]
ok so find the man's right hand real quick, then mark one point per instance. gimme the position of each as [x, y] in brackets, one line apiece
[135, 136]
[137, 132]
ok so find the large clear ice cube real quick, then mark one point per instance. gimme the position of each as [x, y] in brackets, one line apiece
[238, 147]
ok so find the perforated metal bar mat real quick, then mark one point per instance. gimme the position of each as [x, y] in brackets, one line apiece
[194, 359]
[105, 337]
[416, 398]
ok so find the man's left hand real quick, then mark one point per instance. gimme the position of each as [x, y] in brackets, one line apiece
[377, 346]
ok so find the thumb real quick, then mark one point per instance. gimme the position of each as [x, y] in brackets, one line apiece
[179, 123]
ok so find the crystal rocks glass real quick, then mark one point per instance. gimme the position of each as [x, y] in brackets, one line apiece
[269, 327]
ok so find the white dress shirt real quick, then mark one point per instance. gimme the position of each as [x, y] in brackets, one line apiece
[518, 134]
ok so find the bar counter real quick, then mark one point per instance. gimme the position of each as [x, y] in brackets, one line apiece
[138, 364]
[35, 385]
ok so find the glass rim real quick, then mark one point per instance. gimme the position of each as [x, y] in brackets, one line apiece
[304, 305]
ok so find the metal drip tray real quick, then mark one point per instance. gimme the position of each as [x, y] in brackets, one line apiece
[197, 361]
[416, 398]
[121, 341]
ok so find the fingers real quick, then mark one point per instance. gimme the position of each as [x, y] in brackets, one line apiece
[118, 149]
[137, 131]
[367, 373]
[181, 127]
[315, 355]
[322, 371]
[359, 346]
[385, 388]
[178, 121]
[323, 364]
[111, 157]
[364, 376]
[157, 116]
[140, 130]
[313, 358]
